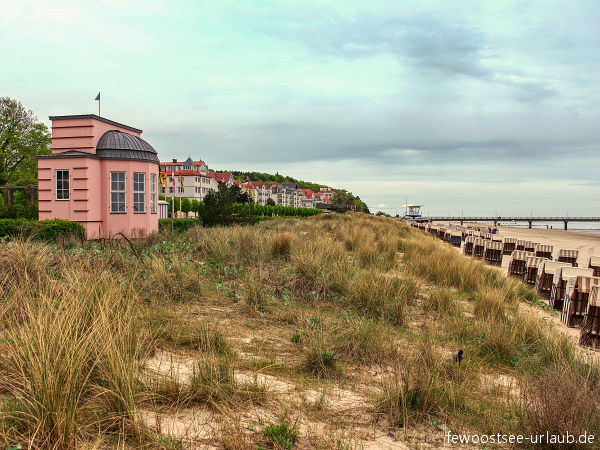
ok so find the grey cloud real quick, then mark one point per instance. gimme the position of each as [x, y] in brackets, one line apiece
[429, 45]
[281, 143]
[531, 92]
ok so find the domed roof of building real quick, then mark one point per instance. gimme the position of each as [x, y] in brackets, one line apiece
[116, 144]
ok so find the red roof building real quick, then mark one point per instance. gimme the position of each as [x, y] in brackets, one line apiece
[308, 193]
[222, 177]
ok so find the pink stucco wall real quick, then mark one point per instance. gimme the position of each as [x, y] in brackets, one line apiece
[89, 183]
[81, 134]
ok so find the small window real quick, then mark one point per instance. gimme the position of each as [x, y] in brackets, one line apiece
[153, 193]
[62, 185]
[117, 192]
[139, 192]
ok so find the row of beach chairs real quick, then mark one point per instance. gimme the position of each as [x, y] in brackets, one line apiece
[573, 290]
[568, 288]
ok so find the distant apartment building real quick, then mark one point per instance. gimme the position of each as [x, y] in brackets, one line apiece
[249, 188]
[178, 166]
[222, 177]
[263, 192]
[308, 200]
[287, 195]
[325, 195]
[191, 179]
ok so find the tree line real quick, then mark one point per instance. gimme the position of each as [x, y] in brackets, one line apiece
[340, 196]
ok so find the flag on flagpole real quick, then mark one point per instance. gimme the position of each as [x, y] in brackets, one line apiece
[98, 97]
[180, 180]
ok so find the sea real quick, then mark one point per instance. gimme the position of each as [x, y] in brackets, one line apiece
[592, 227]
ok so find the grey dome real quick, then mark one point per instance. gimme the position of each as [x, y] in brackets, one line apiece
[118, 145]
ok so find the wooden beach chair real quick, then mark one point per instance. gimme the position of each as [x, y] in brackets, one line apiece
[487, 236]
[455, 238]
[497, 238]
[478, 247]
[569, 256]
[576, 299]
[509, 246]
[545, 276]
[559, 283]
[530, 246]
[532, 264]
[594, 264]
[544, 251]
[493, 253]
[434, 230]
[520, 244]
[517, 265]
[590, 326]
[468, 247]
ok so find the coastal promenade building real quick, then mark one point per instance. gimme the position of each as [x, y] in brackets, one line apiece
[191, 179]
[101, 174]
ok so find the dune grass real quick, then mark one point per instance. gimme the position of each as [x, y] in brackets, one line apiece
[332, 302]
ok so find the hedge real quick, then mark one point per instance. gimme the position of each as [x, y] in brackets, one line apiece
[182, 224]
[179, 225]
[44, 230]
[19, 211]
[278, 210]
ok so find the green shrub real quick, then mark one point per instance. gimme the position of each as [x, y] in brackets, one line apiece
[20, 211]
[179, 225]
[11, 227]
[281, 436]
[45, 230]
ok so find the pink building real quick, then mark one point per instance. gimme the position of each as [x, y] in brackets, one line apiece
[101, 174]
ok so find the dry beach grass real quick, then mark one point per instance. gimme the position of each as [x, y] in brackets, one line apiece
[334, 331]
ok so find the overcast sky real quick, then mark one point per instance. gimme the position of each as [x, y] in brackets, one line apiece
[474, 107]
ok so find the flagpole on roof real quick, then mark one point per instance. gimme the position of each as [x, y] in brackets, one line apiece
[98, 100]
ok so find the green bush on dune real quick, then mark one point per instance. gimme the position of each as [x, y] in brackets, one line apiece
[43, 230]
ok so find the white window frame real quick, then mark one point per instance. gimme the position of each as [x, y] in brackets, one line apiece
[62, 188]
[118, 191]
[139, 194]
[152, 193]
